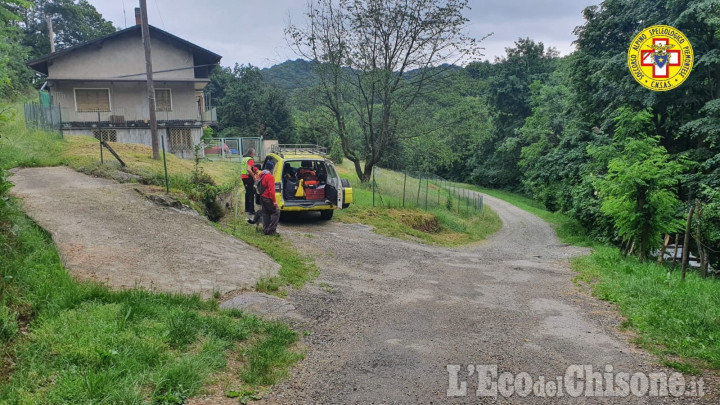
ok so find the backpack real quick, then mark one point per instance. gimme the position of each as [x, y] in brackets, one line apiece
[259, 188]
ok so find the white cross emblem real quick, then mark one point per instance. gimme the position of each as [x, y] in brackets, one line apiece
[648, 59]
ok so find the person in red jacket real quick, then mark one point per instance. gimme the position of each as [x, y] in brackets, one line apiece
[271, 211]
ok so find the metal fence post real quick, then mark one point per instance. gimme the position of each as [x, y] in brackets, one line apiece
[60, 121]
[373, 185]
[167, 183]
[404, 183]
[467, 202]
[457, 197]
[417, 201]
[427, 188]
[99, 131]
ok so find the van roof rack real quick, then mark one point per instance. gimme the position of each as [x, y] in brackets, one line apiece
[299, 149]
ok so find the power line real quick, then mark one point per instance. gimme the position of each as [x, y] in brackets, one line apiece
[160, 14]
[124, 14]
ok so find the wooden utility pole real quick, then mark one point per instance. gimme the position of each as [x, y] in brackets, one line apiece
[150, 87]
[51, 34]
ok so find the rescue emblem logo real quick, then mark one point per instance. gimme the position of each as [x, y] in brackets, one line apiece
[660, 58]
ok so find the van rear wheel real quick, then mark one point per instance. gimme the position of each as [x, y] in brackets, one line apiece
[326, 214]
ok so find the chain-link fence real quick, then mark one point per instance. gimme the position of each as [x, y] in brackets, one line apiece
[232, 148]
[45, 117]
[425, 191]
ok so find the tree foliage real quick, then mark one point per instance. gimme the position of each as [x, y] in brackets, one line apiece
[13, 73]
[74, 22]
[374, 59]
[24, 35]
[509, 82]
[248, 106]
[638, 190]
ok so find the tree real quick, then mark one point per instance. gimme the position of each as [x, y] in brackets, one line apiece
[374, 59]
[250, 107]
[637, 191]
[509, 82]
[74, 22]
[13, 74]
[7, 13]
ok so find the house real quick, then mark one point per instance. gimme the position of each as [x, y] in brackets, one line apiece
[101, 91]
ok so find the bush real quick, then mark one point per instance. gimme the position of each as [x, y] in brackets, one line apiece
[202, 188]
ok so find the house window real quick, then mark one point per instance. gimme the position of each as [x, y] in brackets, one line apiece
[107, 135]
[92, 100]
[180, 139]
[163, 100]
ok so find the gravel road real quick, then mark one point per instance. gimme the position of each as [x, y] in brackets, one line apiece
[108, 232]
[386, 317]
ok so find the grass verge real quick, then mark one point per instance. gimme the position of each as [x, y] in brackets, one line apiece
[21, 147]
[295, 268]
[672, 318]
[437, 226]
[78, 342]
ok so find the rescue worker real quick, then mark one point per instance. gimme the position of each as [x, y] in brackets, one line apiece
[248, 178]
[270, 208]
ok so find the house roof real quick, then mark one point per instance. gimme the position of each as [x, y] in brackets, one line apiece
[201, 55]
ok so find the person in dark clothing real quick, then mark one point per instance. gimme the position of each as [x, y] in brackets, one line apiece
[248, 178]
[257, 217]
[271, 210]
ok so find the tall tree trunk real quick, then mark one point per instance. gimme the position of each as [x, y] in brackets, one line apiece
[644, 243]
[698, 239]
[686, 242]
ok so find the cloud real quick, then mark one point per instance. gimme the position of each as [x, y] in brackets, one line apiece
[251, 32]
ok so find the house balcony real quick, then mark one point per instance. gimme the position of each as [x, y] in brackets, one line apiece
[136, 118]
[210, 115]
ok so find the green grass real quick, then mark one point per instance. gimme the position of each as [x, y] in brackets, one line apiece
[673, 318]
[21, 147]
[435, 226]
[86, 343]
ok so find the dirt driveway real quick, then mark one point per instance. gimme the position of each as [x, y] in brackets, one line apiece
[108, 232]
[387, 317]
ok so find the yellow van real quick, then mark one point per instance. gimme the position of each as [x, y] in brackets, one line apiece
[305, 180]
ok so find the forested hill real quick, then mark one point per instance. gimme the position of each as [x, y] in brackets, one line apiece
[291, 74]
[298, 74]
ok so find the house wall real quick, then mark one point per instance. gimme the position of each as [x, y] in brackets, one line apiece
[120, 57]
[127, 99]
[142, 136]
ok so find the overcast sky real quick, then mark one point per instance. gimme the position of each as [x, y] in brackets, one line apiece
[251, 32]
